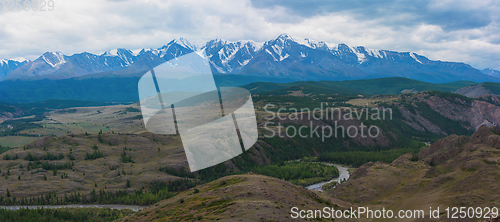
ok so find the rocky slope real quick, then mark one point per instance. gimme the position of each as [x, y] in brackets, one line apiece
[467, 113]
[238, 198]
[455, 171]
[473, 91]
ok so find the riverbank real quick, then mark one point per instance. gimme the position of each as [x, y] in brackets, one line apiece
[343, 176]
[110, 206]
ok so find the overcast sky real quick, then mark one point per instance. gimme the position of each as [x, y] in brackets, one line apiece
[459, 31]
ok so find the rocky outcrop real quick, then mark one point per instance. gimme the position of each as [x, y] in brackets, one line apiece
[470, 113]
[493, 218]
[454, 171]
[474, 91]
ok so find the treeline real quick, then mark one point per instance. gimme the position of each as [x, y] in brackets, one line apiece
[95, 155]
[19, 125]
[358, 158]
[46, 156]
[56, 215]
[7, 157]
[177, 172]
[50, 166]
[205, 175]
[132, 109]
[4, 149]
[299, 173]
[299, 103]
[157, 191]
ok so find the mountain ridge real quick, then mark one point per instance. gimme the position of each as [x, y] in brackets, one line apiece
[282, 57]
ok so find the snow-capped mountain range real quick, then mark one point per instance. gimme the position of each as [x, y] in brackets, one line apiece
[9, 65]
[491, 72]
[286, 57]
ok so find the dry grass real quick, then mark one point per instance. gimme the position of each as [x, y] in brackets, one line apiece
[108, 173]
[466, 179]
[237, 198]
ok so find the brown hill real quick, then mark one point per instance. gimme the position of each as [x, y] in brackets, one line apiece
[454, 171]
[144, 154]
[246, 197]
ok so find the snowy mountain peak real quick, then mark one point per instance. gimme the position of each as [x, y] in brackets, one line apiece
[113, 52]
[53, 58]
[125, 55]
[414, 56]
[282, 40]
[255, 45]
[286, 55]
[145, 50]
[15, 60]
[20, 59]
[117, 52]
[284, 37]
[216, 43]
[491, 72]
[182, 42]
[315, 44]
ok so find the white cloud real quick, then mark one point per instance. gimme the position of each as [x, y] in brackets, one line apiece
[97, 26]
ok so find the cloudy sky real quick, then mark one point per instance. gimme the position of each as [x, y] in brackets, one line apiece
[459, 30]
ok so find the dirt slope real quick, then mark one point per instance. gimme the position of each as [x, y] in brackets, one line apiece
[455, 171]
[246, 197]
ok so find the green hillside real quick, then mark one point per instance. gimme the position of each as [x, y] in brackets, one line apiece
[493, 87]
[384, 86]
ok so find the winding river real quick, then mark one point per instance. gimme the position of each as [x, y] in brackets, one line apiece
[111, 206]
[343, 175]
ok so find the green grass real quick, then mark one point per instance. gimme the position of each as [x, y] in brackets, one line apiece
[382, 86]
[15, 141]
[91, 128]
[71, 214]
[493, 87]
[358, 158]
[299, 173]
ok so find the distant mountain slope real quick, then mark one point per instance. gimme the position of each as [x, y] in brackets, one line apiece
[117, 88]
[382, 86]
[283, 57]
[8, 65]
[482, 89]
[55, 65]
[306, 60]
[491, 72]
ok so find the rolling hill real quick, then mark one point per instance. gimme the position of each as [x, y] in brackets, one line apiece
[454, 171]
[246, 197]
